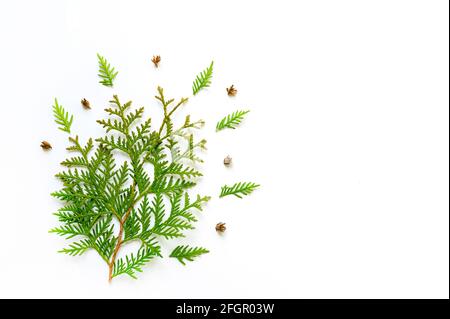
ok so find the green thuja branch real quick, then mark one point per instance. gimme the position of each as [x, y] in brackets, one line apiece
[231, 120]
[238, 189]
[203, 80]
[62, 118]
[106, 73]
[183, 253]
[108, 205]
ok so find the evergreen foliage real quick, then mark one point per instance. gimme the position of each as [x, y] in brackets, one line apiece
[239, 189]
[106, 73]
[203, 80]
[99, 193]
[133, 184]
[62, 117]
[231, 120]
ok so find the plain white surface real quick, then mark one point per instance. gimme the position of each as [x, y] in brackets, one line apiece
[348, 135]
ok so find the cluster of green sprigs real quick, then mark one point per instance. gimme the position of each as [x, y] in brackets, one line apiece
[99, 192]
[148, 206]
[187, 253]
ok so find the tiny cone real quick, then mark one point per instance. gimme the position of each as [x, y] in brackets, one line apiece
[46, 145]
[231, 91]
[220, 227]
[86, 104]
[156, 59]
[227, 161]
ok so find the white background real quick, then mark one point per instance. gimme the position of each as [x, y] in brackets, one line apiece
[348, 135]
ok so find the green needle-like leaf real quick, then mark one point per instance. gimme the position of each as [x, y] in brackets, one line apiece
[77, 248]
[106, 73]
[133, 263]
[203, 80]
[231, 120]
[62, 118]
[238, 189]
[183, 253]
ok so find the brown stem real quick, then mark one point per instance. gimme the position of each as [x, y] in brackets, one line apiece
[119, 242]
[116, 250]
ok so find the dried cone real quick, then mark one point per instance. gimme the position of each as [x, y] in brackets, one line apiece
[231, 91]
[156, 59]
[46, 145]
[86, 104]
[227, 161]
[220, 227]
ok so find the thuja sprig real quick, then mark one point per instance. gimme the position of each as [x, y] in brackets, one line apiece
[106, 73]
[62, 117]
[203, 80]
[101, 195]
[183, 253]
[231, 120]
[238, 189]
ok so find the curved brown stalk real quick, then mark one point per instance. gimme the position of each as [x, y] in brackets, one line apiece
[119, 236]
